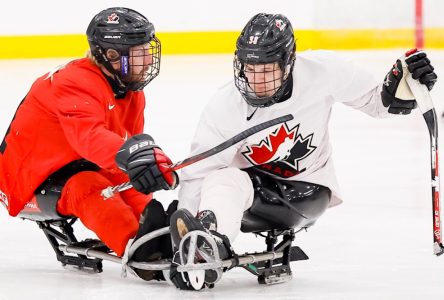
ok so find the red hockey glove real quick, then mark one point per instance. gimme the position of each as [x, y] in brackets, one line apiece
[163, 163]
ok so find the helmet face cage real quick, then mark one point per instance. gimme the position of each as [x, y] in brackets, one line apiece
[264, 59]
[141, 65]
[260, 83]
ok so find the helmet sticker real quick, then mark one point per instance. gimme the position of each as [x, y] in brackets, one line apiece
[112, 37]
[113, 19]
[124, 65]
[253, 40]
[280, 24]
[252, 55]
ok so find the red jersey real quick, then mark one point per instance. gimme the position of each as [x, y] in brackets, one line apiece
[67, 115]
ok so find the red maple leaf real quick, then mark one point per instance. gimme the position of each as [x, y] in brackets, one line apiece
[113, 17]
[268, 147]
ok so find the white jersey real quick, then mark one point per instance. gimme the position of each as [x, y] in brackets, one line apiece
[296, 150]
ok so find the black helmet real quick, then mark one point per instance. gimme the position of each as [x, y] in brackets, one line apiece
[111, 34]
[265, 39]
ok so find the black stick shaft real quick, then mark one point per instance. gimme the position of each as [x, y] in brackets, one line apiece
[230, 142]
[432, 125]
[109, 191]
[425, 105]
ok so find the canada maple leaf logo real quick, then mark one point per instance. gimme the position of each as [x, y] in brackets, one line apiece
[280, 24]
[113, 19]
[281, 151]
[275, 146]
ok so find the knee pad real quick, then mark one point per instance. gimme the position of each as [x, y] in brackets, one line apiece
[229, 175]
[227, 183]
[227, 193]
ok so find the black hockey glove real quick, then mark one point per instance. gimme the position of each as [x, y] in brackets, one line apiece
[420, 68]
[146, 165]
[396, 93]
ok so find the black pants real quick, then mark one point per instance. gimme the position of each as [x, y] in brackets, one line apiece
[283, 204]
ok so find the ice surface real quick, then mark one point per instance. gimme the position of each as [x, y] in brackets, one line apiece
[377, 245]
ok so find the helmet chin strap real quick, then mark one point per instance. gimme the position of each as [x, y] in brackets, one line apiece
[119, 91]
[287, 89]
[118, 87]
[113, 76]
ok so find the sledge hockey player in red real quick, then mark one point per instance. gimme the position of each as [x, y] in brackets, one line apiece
[283, 176]
[73, 122]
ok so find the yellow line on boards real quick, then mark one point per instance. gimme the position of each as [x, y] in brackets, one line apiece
[216, 42]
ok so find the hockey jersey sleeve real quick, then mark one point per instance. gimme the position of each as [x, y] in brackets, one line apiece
[206, 136]
[356, 87]
[82, 118]
[137, 118]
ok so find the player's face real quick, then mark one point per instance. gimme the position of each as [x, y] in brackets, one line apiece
[264, 79]
[140, 60]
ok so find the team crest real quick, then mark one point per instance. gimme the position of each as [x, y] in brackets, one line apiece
[113, 19]
[280, 24]
[280, 152]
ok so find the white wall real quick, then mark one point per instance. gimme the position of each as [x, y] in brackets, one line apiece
[167, 15]
[434, 13]
[364, 14]
[331, 14]
[58, 17]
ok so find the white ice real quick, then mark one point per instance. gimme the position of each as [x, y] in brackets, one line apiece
[376, 245]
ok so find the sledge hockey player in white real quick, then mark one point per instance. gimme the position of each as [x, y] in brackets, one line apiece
[271, 174]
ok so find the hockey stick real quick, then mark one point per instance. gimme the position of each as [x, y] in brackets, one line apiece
[425, 104]
[109, 191]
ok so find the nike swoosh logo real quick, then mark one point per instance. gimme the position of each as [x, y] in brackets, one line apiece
[251, 116]
[111, 106]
